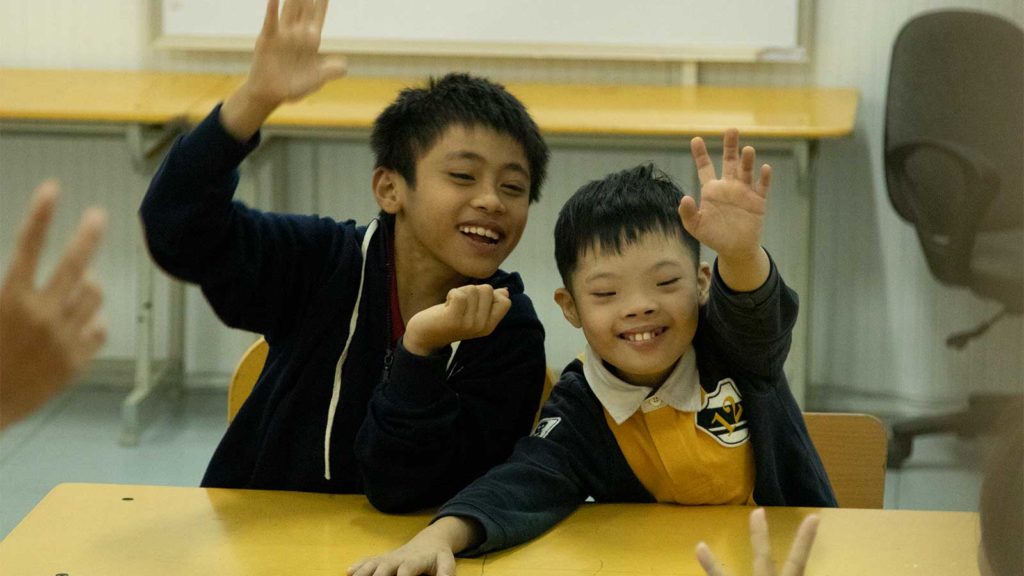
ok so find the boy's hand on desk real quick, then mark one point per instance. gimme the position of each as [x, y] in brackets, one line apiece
[286, 65]
[762, 545]
[469, 312]
[730, 217]
[432, 551]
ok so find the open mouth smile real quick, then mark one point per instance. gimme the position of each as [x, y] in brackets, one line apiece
[480, 234]
[642, 335]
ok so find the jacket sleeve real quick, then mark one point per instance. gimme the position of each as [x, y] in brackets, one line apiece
[753, 329]
[548, 476]
[253, 267]
[430, 431]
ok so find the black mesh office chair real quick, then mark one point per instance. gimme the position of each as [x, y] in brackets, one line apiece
[954, 165]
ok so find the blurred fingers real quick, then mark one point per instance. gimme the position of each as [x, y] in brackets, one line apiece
[796, 562]
[77, 254]
[32, 237]
[761, 544]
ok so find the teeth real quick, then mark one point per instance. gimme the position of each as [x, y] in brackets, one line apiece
[479, 231]
[640, 336]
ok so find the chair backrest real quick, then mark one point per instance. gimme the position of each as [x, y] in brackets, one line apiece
[251, 365]
[954, 144]
[246, 373]
[853, 449]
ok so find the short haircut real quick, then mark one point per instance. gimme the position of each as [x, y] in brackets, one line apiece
[619, 209]
[412, 124]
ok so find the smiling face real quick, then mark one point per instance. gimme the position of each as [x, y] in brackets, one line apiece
[638, 308]
[469, 206]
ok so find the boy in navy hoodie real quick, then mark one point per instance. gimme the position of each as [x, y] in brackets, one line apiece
[680, 396]
[366, 388]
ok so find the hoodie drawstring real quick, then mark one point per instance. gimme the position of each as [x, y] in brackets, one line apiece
[336, 392]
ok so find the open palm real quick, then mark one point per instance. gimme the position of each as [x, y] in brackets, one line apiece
[730, 217]
[286, 64]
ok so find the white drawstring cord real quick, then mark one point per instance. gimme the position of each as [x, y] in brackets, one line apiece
[336, 392]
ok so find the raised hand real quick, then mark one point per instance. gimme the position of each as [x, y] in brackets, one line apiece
[468, 312]
[286, 65]
[730, 217]
[47, 335]
[761, 543]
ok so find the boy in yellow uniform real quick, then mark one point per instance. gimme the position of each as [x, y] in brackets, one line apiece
[681, 395]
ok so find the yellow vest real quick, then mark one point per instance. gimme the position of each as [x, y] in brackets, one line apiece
[695, 458]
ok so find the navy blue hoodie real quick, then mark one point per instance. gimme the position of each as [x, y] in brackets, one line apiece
[409, 431]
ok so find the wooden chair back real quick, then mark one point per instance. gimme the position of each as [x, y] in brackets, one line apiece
[853, 449]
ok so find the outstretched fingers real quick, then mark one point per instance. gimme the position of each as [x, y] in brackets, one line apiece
[270, 18]
[796, 562]
[702, 161]
[77, 255]
[761, 544]
[730, 154]
[32, 238]
[708, 561]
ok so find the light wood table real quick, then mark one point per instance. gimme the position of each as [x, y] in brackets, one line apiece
[95, 529]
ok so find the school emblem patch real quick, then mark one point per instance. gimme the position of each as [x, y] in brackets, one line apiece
[545, 426]
[721, 416]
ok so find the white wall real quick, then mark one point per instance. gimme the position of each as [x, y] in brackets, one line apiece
[880, 319]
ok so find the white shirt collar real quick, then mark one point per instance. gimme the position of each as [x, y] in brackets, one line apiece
[681, 389]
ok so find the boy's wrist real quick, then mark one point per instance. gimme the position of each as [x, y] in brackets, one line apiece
[457, 532]
[245, 111]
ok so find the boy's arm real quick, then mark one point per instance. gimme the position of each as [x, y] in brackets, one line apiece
[750, 311]
[250, 265]
[541, 484]
[286, 66]
[431, 429]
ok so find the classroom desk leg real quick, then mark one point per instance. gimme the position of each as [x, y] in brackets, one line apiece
[152, 377]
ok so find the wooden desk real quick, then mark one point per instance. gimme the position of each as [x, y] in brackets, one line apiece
[677, 112]
[94, 529]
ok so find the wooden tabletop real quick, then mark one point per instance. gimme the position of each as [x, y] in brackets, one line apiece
[353, 103]
[103, 95]
[96, 529]
[596, 110]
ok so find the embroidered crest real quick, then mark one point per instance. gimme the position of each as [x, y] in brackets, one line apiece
[545, 426]
[721, 416]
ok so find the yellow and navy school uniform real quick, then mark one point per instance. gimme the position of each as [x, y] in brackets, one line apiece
[685, 445]
[723, 429]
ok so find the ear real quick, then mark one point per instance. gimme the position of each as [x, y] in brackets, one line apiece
[703, 282]
[387, 188]
[566, 302]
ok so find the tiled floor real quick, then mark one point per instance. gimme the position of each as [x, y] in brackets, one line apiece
[74, 439]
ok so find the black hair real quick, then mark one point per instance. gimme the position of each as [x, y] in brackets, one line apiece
[411, 125]
[618, 209]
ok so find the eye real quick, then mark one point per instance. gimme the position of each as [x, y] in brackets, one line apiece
[461, 176]
[515, 189]
[668, 282]
[602, 294]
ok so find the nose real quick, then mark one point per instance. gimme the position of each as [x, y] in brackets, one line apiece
[640, 305]
[488, 199]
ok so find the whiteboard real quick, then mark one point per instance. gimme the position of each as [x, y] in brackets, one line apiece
[683, 30]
